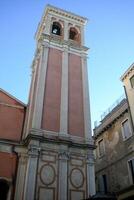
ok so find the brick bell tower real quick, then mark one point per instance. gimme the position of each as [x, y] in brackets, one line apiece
[56, 159]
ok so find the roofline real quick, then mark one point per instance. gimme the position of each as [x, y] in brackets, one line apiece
[65, 11]
[127, 72]
[11, 96]
[60, 12]
[115, 114]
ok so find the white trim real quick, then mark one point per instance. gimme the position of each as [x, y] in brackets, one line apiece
[28, 116]
[86, 104]
[39, 97]
[64, 93]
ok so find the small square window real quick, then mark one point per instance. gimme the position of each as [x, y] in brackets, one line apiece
[101, 147]
[132, 81]
[131, 170]
[126, 129]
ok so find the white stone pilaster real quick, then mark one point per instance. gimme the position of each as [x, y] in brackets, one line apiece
[28, 116]
[31, 173]
[63, 159]
[66, 36]
[86, 105]
[82, 36]
[64, 93]
[90, 174]
[39, 97]
[20, 177]
[48, 25]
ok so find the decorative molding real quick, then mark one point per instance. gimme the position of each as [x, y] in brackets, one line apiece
[64, 155]
[23, 158]
[33, 151]
[58, 40]
[77, 178]
[57, 138]
[61, 14]
[47, 174]
[90, 158]
[111, 118]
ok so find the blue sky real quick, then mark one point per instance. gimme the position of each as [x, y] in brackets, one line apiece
[109, 34]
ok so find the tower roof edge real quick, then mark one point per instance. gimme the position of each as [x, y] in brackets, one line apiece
[58, 11]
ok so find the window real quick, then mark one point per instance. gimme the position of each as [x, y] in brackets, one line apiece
[102, 185]
[101, 147]
[132, 81]
[131, 170]
[126, 129]
[56, 28]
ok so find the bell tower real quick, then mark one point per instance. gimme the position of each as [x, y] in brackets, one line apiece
[59, 148]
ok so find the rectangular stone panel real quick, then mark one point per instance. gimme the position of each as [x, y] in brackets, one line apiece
[76, 195]
[46, 193]
[48, 158]
[77, 162]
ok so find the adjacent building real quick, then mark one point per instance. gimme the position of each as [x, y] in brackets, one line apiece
[114, 139]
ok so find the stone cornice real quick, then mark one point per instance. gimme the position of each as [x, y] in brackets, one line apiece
[70, 15]
[127, 73]
[114, 115]
[58, 42]
[50, 137]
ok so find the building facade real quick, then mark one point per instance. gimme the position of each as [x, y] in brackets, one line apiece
[114, 139]
[55, 150]
[12, 115]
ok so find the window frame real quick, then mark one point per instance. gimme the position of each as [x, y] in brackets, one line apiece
[130, 172]
[132, 85]
[123, 131]
[103, 146]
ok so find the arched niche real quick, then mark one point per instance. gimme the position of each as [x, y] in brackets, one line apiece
[56, 28]
[74, 34]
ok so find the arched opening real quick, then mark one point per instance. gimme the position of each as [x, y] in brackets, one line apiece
[4, 188]
[73, 34]
[56, 28]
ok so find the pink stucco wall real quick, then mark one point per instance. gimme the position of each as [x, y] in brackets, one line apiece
[8, 162]
[11, 118]
[52, 98]
[75, 115]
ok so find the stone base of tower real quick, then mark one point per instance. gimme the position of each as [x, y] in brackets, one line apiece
[55, 168]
